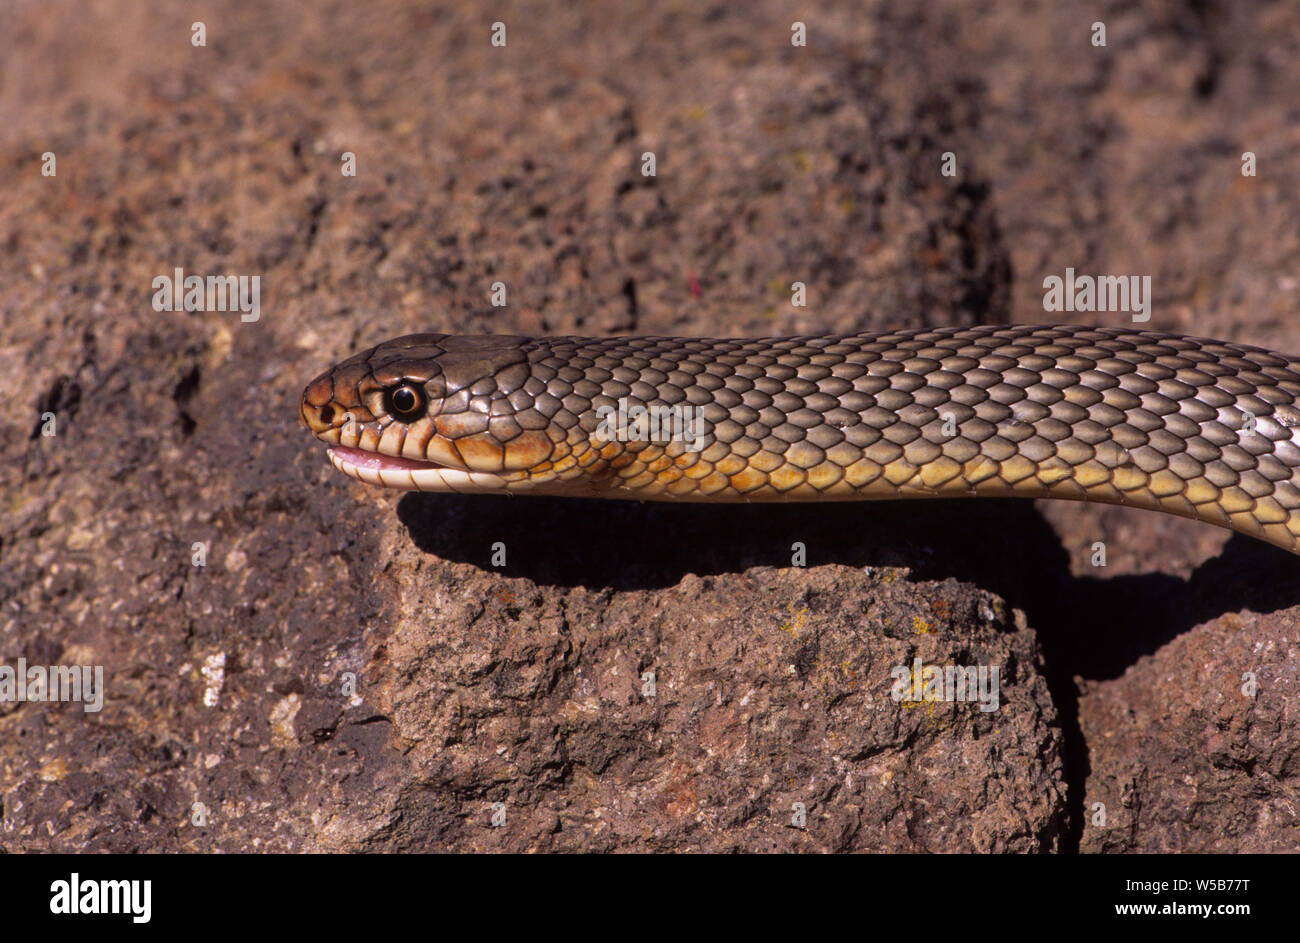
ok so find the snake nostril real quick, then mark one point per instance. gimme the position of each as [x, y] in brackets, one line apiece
[327, 414]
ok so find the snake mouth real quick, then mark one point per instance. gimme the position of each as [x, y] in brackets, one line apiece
[407, 474]
[376, 461]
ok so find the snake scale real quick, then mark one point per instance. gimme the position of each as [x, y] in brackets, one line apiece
[1200, 428]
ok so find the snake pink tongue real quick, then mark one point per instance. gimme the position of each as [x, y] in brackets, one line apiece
[373, 461]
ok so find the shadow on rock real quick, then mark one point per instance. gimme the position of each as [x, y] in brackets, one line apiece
[650, 545]
[1095, 627]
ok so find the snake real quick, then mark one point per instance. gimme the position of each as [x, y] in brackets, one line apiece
[1203, 429]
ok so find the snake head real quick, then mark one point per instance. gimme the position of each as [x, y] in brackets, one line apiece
[430, 412]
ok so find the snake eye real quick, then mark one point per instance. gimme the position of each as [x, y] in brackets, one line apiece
[406, 402]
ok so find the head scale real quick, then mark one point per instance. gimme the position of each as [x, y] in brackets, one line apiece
[429, 412]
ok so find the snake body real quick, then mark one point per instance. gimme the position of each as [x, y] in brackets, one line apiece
[1200, 428]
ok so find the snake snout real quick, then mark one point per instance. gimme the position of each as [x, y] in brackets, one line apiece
[327, 409]
[317, 409]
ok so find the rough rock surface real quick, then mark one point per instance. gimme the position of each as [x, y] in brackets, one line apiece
[351, 671]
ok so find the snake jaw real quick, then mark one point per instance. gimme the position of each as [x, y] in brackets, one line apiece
[406, 474]
[375, 449]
